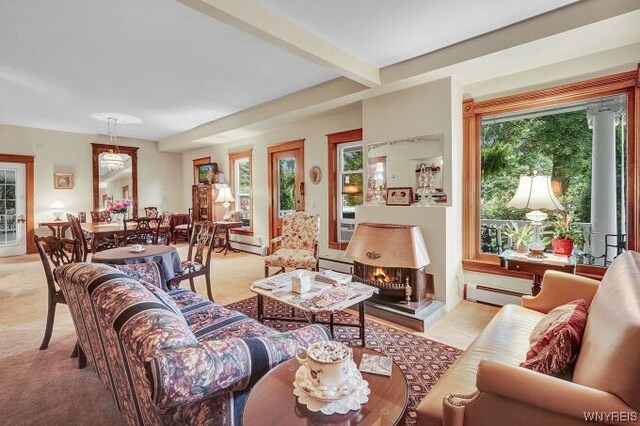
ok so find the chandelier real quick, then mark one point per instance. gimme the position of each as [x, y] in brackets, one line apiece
[112, 160]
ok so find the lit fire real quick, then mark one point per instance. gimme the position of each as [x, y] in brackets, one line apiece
[379, 276]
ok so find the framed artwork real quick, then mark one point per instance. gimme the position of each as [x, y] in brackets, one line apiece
[402, 196]
[315, 174]
[63, 180]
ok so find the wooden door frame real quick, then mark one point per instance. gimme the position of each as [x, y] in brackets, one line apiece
[274, 149]
[27, 160]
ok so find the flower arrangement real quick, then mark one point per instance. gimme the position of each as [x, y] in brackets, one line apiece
[120, 206]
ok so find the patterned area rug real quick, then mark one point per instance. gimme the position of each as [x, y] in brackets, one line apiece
[423, 361]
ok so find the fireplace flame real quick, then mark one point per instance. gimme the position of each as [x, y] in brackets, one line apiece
[378, 275]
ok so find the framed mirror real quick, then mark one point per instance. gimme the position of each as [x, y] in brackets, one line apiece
[115, 183]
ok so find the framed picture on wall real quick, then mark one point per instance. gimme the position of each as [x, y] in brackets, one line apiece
[402, 196]
[63, 180]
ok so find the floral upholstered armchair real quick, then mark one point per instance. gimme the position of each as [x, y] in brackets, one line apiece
[298, 244]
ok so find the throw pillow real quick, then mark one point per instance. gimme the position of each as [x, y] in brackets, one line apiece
[555, 341]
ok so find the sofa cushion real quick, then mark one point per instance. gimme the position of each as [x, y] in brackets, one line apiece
[555, 341]
[505, 339]
[609, 357]
[208, 320]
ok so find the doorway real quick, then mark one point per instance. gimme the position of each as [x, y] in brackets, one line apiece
[16, 205]
[286, 182]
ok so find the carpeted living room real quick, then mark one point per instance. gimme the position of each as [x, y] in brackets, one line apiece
[289, 212]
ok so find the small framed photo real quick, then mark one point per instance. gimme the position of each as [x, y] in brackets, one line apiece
[402, 196]
[63, 180]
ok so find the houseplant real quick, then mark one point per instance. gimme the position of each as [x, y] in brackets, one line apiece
[564, 234]
[119, 208]
[520, 235]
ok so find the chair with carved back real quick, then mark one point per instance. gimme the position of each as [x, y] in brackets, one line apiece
[198, 258]
[84, 246]
[101, 216]
[183, 230]
[82, 217]
[298, 244]
[54, 252]
[151, 211]
[141, 230]
[163, 230]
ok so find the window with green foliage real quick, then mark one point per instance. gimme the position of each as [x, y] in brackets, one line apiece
[559, 142]
[350, 187]
[287, 185]
[240, 182]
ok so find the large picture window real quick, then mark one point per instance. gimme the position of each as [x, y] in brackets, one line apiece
[346, 175]
[241, 185]
[582, 138]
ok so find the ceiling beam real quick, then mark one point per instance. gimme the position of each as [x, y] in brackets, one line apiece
[253, 18]
[474, 53]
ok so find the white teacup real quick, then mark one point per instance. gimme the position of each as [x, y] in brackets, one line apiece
[137, 247]
[324, 371]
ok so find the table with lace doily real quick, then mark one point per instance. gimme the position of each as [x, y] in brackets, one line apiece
[272, 402]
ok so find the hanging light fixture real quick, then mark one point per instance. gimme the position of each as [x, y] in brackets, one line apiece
[112, 160]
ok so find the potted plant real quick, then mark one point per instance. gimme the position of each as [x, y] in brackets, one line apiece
[565, 235]
[520, 236]
[119, 208]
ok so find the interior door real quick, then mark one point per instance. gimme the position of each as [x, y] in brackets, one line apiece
[286, 171]
[13, 240]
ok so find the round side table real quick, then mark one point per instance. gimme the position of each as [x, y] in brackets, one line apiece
[272, 402]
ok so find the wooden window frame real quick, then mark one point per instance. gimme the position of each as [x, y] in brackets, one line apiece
[233, 157]
[333, 140]
[28, 161]
[627, 83]
[197, 163]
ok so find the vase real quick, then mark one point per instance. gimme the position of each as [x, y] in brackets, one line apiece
[118, 218]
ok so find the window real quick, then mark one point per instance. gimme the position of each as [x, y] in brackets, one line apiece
[582, 136]
[346, 176]
[240, 182]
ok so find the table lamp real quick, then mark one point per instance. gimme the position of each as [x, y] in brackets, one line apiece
[226, 198]
[58, 207]
[535, 193]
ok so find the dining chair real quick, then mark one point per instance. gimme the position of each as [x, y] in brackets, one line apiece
[183, 230]
[151, 211]
[82, 217]
[298, 244]
[198, 258]
[141, 230]
[163, 230]
[55, 251]
[78, 235]
[101, 216]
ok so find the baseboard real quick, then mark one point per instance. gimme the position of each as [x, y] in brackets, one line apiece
[248, 248]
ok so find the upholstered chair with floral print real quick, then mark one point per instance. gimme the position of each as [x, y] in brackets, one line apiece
[297, 247]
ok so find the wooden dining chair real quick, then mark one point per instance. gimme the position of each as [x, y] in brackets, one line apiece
[101, 216]
[55, 251]
[198, 258]
[183, 230]
[151, 211]
[141, 230]
[78, 235]
[163, 230]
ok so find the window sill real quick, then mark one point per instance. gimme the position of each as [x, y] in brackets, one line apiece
[338, 246]
[241, 231]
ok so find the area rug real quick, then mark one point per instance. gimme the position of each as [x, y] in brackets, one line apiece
[422, 361]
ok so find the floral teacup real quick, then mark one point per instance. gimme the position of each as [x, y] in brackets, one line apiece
[329, 363]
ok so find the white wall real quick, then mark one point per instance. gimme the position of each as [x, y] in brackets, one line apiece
[159, 173]
[315, 154]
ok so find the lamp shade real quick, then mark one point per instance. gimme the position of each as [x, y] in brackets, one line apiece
[393, 246]
[57, 205]
[535, 193]
[224, 195]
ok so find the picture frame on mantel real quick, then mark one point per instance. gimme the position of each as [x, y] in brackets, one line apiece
[399, 196]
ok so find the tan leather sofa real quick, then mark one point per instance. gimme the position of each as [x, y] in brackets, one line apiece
[487, 387]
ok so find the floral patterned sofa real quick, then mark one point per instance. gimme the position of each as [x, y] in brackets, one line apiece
[170, 358]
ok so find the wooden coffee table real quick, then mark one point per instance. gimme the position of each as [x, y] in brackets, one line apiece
[272, 402]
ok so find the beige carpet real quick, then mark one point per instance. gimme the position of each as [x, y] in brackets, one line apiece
[45, 387]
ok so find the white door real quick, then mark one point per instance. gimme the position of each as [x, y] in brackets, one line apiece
[12, 209]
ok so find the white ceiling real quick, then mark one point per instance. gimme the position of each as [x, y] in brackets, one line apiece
[177, 68]
[384, 32]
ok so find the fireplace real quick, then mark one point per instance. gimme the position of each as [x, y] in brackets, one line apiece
[392, 258]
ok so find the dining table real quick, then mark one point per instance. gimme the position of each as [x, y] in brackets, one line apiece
[166, 256]
[98, 230]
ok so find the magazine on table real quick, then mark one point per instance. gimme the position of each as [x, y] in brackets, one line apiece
[333, 277]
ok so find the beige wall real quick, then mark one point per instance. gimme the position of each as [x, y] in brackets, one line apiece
[159, 173]
[315, 154]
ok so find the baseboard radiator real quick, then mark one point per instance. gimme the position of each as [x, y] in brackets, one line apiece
[492, 295]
